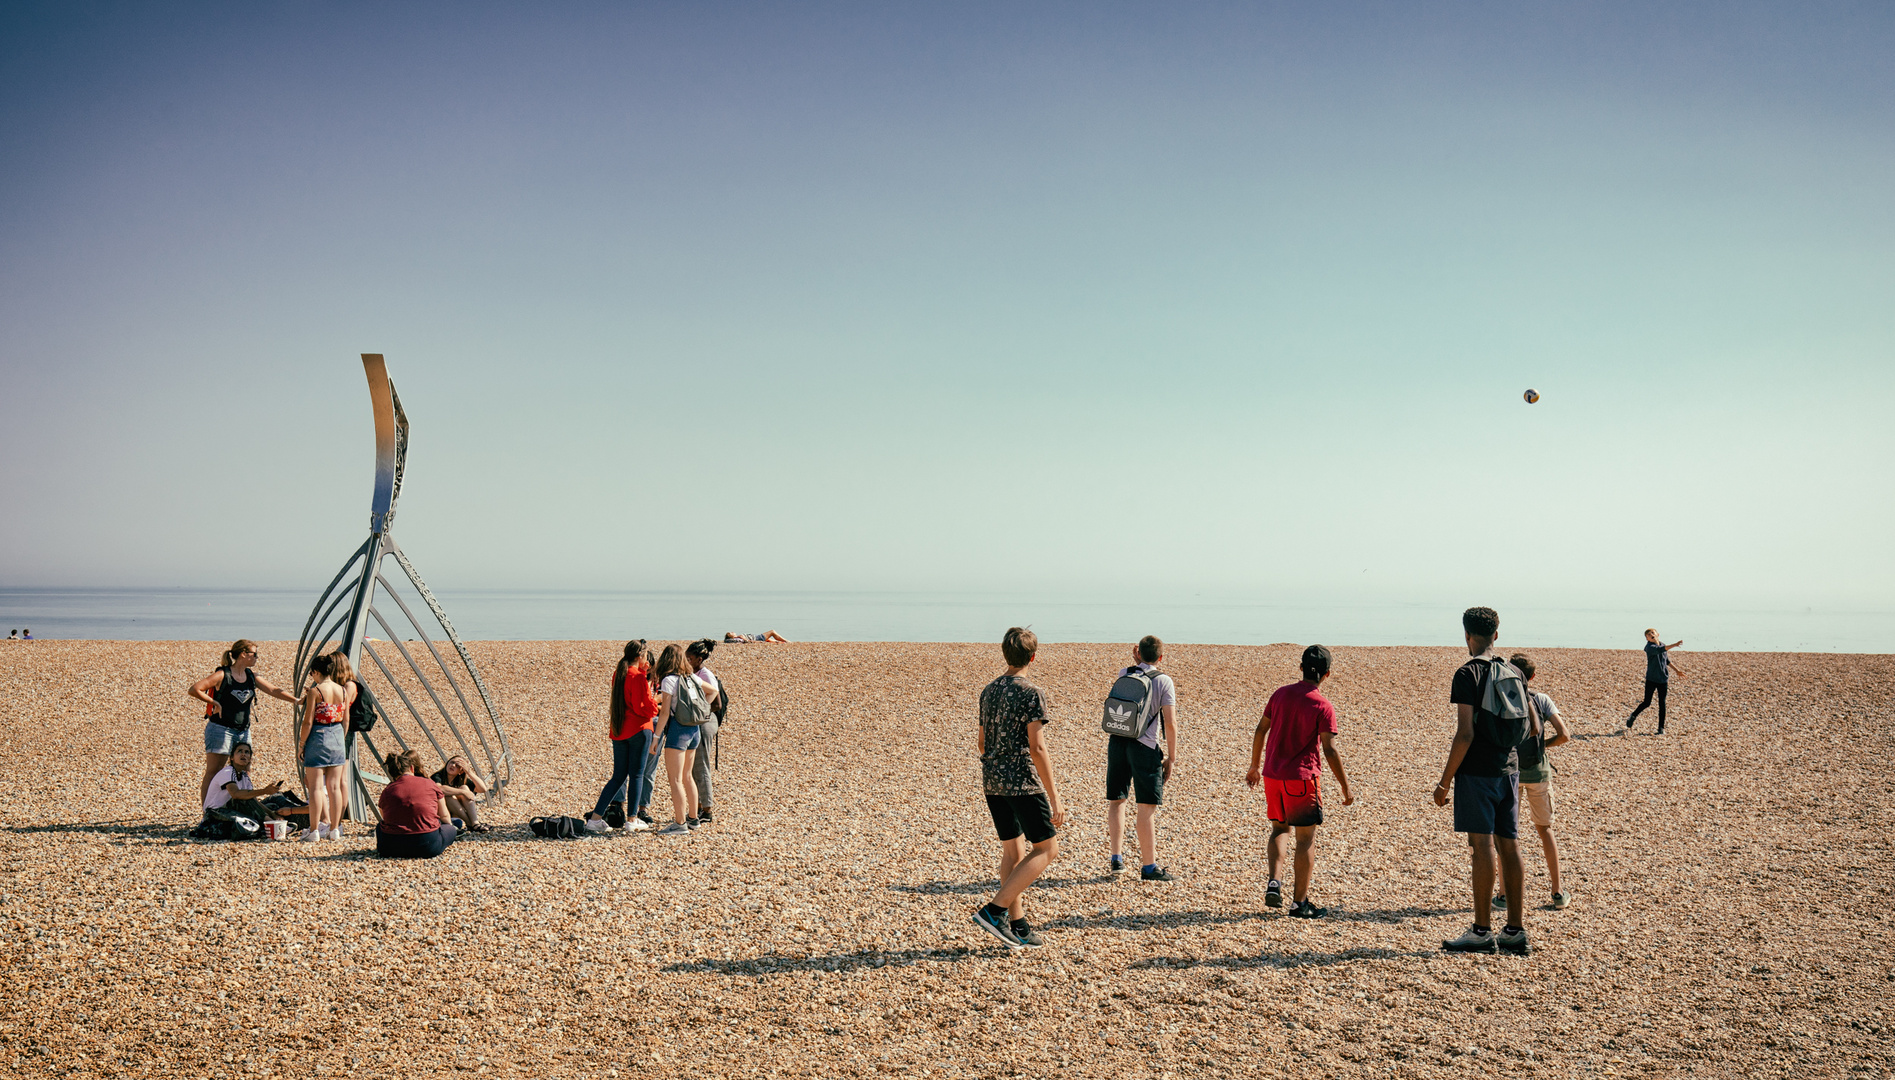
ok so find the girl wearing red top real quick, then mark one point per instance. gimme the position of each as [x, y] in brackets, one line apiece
[628, 724]
[414, 824]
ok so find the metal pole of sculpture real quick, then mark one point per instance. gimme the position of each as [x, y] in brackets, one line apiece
[397, 670]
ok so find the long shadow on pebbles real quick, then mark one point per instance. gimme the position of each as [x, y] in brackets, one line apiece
[855, 961]
[1282, 960]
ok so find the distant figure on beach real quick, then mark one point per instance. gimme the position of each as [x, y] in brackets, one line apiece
[630, 710]
[1536, 777]
[1484, 770]
[1017, 778]
[1134, 766]
[27, 635]
[227, 694]
[14, 635]
[1658, 668]
[768, 637]
[415, 819]
[1298, 732]
[319, 736]
[698, 655]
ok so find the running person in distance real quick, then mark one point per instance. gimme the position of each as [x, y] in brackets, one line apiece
[1485, 779]
[1017, 779]
[1137, 768]
[1658, 668]
[228, 694]
[1297, 724]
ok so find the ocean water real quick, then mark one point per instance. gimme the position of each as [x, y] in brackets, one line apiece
[511, 615]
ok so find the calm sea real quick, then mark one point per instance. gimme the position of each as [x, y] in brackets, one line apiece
[278, 614]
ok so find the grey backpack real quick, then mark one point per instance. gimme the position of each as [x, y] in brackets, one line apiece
[690, 709]
[1127, 704]
[1507, 712]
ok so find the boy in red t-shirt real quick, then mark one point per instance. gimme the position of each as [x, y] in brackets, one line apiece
[1297, 719]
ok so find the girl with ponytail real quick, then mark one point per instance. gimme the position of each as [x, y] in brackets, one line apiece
[629, 714]
[227, 694]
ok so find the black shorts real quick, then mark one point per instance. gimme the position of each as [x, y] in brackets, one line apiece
[1017, 814]
[1132, 767]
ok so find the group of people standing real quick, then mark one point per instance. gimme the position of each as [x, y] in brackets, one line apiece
[666, 708]
[1496, 759]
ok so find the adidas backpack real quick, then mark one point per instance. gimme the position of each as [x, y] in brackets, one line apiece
[1126, 705]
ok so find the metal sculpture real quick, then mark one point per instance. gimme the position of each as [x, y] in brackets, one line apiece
[397, 671]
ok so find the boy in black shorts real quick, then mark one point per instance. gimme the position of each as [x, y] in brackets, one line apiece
[1018, 781]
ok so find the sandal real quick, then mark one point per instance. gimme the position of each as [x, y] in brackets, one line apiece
[481, 827]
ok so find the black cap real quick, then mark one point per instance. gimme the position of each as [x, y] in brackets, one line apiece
[1315, 661]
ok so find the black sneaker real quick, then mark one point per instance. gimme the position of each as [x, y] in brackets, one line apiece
[1273, 896]
[691, 824]
[1307, 910]
[1514, 944]
[997, 928]
[1025, 932]
[1117, 865]
[704, 816]
[645, 816]
[1156, 873]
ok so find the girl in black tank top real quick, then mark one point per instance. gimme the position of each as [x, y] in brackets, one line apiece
[228, 700]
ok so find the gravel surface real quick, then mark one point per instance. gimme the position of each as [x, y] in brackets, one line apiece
[1731, 883]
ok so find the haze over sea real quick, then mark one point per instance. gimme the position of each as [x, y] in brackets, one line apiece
[157, 614]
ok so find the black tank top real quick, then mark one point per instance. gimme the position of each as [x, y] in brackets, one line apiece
[234, 701]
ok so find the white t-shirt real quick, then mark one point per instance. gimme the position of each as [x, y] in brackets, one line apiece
[1162, 694]
[217, 797]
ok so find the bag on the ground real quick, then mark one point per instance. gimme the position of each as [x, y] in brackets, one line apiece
[1126, 705]
[558, 828]
[236, 826]
[615, 815]
[690, 708]
[1507, 714]
[364, 710]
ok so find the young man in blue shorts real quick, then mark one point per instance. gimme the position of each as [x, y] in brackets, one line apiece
[1017, 779]
[1485, 779]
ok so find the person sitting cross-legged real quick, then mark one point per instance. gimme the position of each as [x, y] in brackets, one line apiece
[415, 822]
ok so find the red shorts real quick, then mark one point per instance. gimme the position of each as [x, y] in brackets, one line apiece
[1293, 802]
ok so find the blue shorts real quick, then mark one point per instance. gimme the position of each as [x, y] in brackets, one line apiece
[682, 737]
[1487, 804]
[219, 739]
[324, 748]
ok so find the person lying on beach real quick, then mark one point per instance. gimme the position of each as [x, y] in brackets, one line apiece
[463, 789]
[768, 637]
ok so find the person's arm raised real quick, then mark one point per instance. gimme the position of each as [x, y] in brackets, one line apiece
[1335, 766]
[272, 689]
[1036, 746]
[1457, 751]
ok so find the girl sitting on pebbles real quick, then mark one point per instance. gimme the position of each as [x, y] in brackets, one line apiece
[227, 694]
[320, 734]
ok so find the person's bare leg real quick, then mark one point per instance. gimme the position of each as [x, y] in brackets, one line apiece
[1305, 860]
[318, 797]
[674, 761]
[1115, 825]
[1011, 852]
[1026, 872]
[1147, 837]
[213, 763]
[1551, 847]
[338, 797]
[1512, 875]
[1276, 847]
[1481, 845]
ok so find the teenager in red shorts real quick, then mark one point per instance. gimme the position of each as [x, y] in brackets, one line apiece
[1296, 723]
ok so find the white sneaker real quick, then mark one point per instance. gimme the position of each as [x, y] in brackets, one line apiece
[635, 825]
[335, 833]
[310, 836]
[676, 828]
[595, 824]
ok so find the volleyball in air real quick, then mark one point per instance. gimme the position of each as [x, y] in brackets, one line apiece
[1531, 396]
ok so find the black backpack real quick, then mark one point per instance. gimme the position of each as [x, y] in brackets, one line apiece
[364, 710]
[558, 828]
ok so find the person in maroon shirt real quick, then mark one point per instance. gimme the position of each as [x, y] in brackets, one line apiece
[415, 822]
[1297, 725]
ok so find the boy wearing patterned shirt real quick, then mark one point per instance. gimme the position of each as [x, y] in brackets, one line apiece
[1017, 778]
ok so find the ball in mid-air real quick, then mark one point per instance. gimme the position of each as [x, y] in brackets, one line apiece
[1531, 396]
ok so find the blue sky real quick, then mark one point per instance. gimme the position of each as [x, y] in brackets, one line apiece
[1229, 298]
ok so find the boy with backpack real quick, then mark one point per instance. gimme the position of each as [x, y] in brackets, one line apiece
[1295, 723]
[1142, 702]
[1536, 776]
[1017, 778]
[1493, 715]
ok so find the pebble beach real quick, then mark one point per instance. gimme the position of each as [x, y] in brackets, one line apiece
[1731, 885]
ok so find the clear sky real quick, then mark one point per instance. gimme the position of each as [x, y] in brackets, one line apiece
[1238, 299]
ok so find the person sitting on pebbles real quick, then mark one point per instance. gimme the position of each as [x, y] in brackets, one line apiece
[462, 788]
[232, 790]
[415, 821]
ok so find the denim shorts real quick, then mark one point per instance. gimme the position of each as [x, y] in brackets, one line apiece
[682, 737]
[1487, 804]
[323, 749]
[219, 739]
